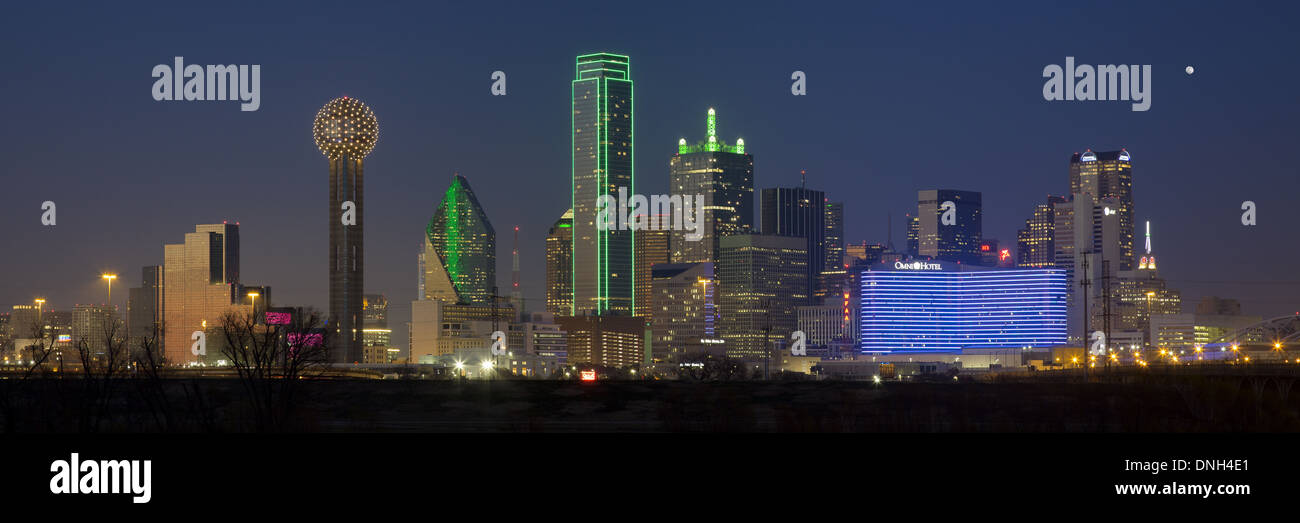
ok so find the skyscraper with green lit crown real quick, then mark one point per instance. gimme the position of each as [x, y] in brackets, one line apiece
[464, 245]
[602, 163]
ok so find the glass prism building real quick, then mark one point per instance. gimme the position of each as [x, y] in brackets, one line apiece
[928, 306]
[464, 246]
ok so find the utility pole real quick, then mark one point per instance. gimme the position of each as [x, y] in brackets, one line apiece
[767, 340]
[1083, 297]
[1105, 316]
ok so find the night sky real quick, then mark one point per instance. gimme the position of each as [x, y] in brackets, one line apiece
[901, 97]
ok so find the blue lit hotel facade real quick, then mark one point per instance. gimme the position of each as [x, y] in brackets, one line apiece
[936, 306]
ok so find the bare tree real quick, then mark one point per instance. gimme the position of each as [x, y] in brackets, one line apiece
[103, 360]
[15, 390]
[272, 361]
[155, 390]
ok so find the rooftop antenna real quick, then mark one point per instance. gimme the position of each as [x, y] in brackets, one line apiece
[803, 179]
[889, 232]
[515, 297]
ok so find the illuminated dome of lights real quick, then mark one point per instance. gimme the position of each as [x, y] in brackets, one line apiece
[345, 126]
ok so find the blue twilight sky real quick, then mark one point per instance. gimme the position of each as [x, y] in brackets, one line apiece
[901, 96]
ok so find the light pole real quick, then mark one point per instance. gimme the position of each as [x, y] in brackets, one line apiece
[109, 278]
[253, 296]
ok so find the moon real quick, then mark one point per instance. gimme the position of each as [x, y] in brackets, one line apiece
[1190, 70]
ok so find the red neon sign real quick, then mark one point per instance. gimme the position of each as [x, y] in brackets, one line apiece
[588, 375]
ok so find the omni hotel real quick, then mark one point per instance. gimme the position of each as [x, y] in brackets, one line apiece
[945, 307]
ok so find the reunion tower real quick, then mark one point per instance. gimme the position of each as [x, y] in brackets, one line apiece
[345, 131]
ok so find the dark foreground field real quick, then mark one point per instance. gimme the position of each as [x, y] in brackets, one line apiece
[1154, 404]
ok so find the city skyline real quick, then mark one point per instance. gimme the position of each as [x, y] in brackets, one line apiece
[1175, 209]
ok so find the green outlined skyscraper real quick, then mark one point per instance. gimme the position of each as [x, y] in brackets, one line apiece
[464, 243]
[602, 163]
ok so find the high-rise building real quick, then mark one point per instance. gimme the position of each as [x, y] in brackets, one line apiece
[607, 341]
[1088, 242]
[27, 322]
[828, 324]
[201, 285]
[1036, 244]
[1104, 175]
[651, 249]
[833, 268]
[724, 175]
[799, 212]
[374, 321]
[345, 131]
[464, 244]
[683, 314]
[96, 327]
[913, 236]
[1142, 294]
[958, 241]
[602, 163]
[144, 306]
[870, 253]
[441, 328]
[559, 266]
[761, 279]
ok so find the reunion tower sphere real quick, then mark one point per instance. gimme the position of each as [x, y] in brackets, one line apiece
[345, 126]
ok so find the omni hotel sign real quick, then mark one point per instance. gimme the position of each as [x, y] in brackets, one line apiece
[917, 266]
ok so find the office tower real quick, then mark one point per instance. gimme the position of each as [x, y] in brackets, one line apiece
[374, 321]
[829, 324]
[602, 163]
[1035, 244]
[441, 328]
[1104, 175]
[201, 284]
[605, 341]
[144, 307]
[376, 337]
[345, 131]
[958, 241]
[869, 253]
[683, 313]
[464, 243]
[724, 175]
[913, 236]
[1184, 332]
[27, 322]
[651, 249]
[800, 212]
[1088, 241]
[1142, 294]
[559, 266]
[96, 327]
[833, 268]
[761, 279]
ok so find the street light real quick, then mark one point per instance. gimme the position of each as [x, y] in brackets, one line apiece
[254, 296]
[109, 278]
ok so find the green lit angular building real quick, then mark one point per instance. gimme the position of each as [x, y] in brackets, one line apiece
[602, 163]
[463, 245]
